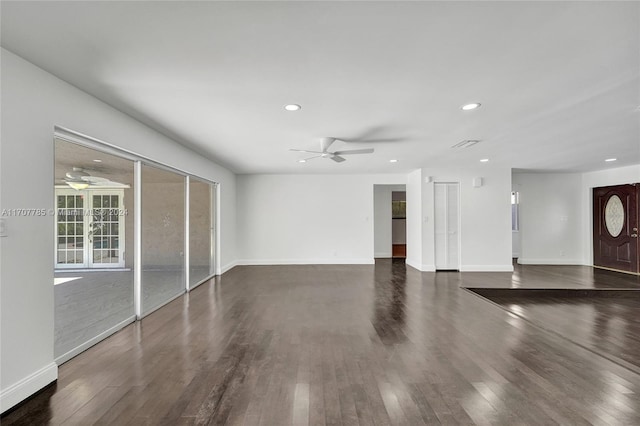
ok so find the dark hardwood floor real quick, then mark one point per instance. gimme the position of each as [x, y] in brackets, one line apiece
[343, 344]
[610, 326]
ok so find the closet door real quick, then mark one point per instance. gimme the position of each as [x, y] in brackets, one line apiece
[447, 226]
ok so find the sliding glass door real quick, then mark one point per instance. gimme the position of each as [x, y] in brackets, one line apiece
[93, 253]
[201, 220]
[162, 237]
[126, 230]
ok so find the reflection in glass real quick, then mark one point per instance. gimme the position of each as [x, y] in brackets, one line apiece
[162, 243]
[199, 231]
[94, 246]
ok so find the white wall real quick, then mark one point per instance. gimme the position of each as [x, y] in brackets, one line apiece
[414, 220]
[617, 176]
[556, 215]
[383, 227]
[551, 215]
[289, 219]
[33, 102]
[485, 217]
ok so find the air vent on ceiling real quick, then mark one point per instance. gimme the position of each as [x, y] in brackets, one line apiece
[467, 143]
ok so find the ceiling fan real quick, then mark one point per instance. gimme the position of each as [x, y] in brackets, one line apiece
[78, 179]
[336, 156]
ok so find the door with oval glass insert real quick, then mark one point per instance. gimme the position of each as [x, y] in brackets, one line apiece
[615, 227]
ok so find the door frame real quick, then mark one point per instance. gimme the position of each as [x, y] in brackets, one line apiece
[632, 231]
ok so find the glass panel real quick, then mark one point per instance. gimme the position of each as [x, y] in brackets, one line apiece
[162, 242]
[199, 231]
[97, 299]
[614, 216]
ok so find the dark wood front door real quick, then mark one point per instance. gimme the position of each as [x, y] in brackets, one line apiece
[615, 227]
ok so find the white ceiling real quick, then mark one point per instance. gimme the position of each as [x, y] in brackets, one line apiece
[559, 82]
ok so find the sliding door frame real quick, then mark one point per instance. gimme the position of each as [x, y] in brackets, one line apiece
[139, 160]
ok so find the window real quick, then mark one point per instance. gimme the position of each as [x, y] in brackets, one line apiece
[90, 228]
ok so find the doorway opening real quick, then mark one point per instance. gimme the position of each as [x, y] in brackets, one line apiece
[389, 215]
[399, 224]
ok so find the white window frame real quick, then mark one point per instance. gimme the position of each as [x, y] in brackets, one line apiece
[87, 220]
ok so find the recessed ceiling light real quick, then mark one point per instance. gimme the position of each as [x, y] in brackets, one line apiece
[609, 160]
[292, 107]
[484, 160]
[97, 161]
[469, 107]
[302, 161]
[393, 161]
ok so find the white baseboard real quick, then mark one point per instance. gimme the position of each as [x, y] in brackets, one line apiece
[420, 267]
[228, 267]
[86, 345]
[26, 387]
[383, 254]
[550, 261]
[330, 261]
[413, 264]
[486, 268]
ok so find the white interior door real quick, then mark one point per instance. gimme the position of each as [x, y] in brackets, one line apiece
[447, 226]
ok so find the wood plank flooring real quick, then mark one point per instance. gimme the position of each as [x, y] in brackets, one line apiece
[338, 345]
[614, 320]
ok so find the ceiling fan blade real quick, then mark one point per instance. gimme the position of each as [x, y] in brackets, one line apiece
[304, 150]
[94, 179]
[374, 140]
[337, 158]
[110, 184]
[355, 151]
[311, 158]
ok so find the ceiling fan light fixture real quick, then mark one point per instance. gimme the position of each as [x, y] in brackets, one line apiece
[292, 107]
[471, 106]
[78, 185]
